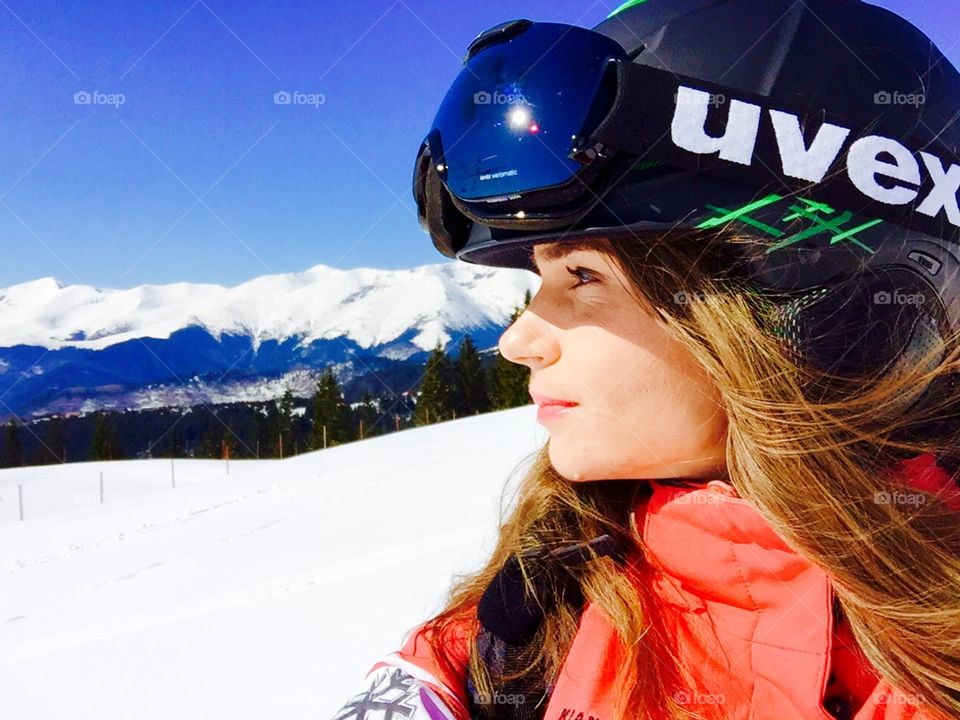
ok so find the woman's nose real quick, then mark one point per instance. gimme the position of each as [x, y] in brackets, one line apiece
[528, 342]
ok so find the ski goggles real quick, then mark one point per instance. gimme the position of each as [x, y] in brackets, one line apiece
[508, 140]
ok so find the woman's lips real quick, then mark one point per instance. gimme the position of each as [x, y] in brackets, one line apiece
[546, 413]
[546, 400]
[549, 408]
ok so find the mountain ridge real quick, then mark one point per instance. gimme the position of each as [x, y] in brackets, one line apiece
[68, 348]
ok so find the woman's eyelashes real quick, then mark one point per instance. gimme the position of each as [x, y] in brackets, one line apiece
[580, 273]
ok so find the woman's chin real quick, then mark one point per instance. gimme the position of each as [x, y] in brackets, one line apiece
[584, 469]
[568, 468]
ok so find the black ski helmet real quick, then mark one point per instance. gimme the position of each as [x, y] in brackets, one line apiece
[822, 130]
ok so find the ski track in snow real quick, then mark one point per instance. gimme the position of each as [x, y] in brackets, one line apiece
[254, 593]
[190, 514]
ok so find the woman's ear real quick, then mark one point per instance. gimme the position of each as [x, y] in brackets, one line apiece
[865, 325]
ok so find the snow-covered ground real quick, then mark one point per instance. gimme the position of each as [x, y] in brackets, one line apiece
[265, 592]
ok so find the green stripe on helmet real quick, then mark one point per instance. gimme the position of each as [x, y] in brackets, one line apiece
[627, 4]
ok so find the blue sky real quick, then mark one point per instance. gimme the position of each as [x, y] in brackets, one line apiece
[182, 167]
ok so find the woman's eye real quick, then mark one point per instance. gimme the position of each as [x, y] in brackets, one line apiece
[581, 273]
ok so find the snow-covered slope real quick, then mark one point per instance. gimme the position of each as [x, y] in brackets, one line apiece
[366, 306]
[263, 593]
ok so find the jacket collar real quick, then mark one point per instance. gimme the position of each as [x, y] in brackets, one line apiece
[716, 545]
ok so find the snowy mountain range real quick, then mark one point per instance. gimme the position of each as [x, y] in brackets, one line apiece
[76, 348]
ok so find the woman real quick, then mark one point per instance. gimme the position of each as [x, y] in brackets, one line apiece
[748, 504]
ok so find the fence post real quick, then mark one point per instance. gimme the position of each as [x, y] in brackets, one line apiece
[173, 477]
[20, 495]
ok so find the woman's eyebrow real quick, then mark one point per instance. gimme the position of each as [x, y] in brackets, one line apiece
[560, 250]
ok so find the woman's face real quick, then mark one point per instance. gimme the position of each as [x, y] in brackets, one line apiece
[644, 407]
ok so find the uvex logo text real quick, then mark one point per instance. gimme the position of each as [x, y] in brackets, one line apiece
[881, 168]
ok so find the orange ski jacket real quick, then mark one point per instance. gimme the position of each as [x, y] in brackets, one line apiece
[754, 623]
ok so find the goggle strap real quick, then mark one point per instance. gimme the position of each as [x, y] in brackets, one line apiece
[643, 103]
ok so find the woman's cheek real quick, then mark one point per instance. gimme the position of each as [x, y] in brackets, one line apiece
[592, 310]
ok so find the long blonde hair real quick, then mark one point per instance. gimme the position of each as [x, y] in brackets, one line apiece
[810, 466]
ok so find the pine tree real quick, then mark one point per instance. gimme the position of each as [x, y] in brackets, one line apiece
[330, 412]
[54, 441]
[260, 446]
[173, 445]
[471, 394]
[13, 445]
[211, 443]
[285, 423]
[269, 448]
[510, 382]
[102, 444]
[435, 396]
